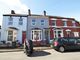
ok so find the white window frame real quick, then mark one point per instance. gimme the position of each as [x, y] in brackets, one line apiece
[10, 21]
[21, 21]
[65, 24]
[73, 22]
[40, 32]
[33, 22]
[9, 35]
[57, 32]
[54, 22]
[76, 34]
[43, 23]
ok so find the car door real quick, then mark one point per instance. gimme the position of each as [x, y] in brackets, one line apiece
[71, 43]
[65, 43]
[78, 43]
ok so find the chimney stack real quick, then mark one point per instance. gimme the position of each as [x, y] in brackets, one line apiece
[12, 12]
[44, 13]
[29, 12]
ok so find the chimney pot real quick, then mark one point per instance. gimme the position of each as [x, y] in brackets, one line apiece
[12, 12]
[29, 12]
[44, 13]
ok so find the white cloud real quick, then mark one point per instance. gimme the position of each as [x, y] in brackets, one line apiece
[7, 5]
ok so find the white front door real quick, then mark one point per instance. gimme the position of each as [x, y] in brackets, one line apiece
[36, 35]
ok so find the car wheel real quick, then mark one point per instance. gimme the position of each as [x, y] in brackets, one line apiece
[61, 49]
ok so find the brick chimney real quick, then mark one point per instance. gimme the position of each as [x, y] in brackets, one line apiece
[29, 12]
[44, 13]
[12, 12]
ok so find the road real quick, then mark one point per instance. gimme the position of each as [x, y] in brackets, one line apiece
[49, 54]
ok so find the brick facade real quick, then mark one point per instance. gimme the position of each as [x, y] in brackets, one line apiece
[71, 23]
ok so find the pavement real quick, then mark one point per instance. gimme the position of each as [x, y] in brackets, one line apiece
[49, 54]
[21, 49]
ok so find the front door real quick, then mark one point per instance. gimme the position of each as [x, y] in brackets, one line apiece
[23, 36]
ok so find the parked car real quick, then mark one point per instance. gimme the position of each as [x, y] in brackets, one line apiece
[66, 43]
[28, 48]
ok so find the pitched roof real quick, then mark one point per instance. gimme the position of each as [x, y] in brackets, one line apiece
[24, 15]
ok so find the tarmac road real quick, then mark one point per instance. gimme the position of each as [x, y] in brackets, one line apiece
[49, 54]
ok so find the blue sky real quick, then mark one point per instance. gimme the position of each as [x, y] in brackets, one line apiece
[65, 8]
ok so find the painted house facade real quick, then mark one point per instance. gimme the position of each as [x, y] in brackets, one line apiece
[38, 29]
[63, 27]
[14, 27]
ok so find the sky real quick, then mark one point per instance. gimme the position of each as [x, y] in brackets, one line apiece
[64, 8]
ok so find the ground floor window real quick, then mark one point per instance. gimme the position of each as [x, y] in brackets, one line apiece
[36, 35]
[76, 34]
[10, 35]
[58, 33]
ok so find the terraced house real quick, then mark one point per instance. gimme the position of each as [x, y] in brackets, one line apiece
[38, 28]
[63, 27]
[14, 27]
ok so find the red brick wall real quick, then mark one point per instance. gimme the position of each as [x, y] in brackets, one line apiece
[59, 22]
[69, 23]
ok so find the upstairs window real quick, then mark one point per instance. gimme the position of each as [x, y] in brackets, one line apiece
[33, 22]
[53, 23]
[64, 23]
[20, 21]
[73, 22]
[10, 20]
[42, 22]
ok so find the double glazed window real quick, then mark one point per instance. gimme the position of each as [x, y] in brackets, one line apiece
[53, 23]
[20, 21]
[10, 35]
[33, 22]
[42, 22]
[73, 22]
[10, 20]
[64, 23]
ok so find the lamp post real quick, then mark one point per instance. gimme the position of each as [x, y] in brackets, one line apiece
[68, 32]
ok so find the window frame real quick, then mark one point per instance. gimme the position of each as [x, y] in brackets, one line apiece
[33, 23]
[20, 21]
[64, 23]
[42, 22]
[10, 20]
[73, 22]
[54, 22]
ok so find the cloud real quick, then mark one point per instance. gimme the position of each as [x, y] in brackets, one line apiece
[7, 5]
